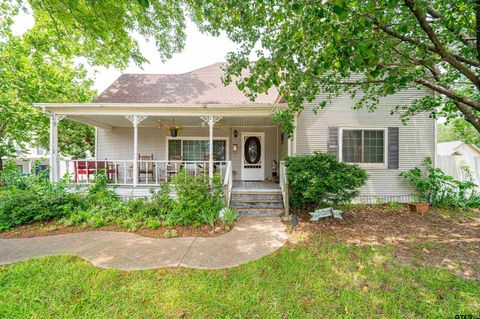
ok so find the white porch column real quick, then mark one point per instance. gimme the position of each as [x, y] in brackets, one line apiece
[210, 120]
[54, 167]
[135, 119]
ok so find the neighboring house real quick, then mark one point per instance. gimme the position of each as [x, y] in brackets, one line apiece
[134, 116]
[458, 148]
[459, 160]
[31, 156]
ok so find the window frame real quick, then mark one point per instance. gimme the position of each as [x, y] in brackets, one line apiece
[383, 165]
[197, 138]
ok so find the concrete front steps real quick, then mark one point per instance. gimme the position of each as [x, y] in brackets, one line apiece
[258, 203]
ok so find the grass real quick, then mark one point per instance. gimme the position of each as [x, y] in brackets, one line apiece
[322, 279]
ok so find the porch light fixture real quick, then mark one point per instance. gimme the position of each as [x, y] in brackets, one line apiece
[234, 148]
[235, 133]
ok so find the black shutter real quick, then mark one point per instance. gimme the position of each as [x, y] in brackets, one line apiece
[393, 149]
[332, 144]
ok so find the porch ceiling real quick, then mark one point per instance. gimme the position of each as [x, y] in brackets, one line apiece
[109, 115]
[110, 121]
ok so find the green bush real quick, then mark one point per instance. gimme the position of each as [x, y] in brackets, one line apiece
[432, 185]
[197, 201]
[30, 198]
[319, 179]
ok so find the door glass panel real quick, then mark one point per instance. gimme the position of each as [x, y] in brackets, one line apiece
[252, 150]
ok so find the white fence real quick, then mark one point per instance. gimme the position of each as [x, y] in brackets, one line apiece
[460, 167]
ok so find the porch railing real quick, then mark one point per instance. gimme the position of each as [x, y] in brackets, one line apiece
[284, 187]
[150, 172]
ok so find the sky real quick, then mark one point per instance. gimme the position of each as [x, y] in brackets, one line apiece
[200, 50]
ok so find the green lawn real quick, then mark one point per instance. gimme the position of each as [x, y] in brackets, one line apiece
[321, 279]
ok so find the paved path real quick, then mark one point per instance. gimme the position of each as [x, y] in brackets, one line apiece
[251, 239]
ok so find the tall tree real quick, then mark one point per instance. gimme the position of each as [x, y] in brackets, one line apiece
[396, 44]
[306, 46]
[30, 72]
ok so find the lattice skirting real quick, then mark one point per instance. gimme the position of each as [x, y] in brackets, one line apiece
[379, 199]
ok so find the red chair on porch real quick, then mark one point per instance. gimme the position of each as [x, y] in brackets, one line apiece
[87, 168]
[83, 168]
[110, 169]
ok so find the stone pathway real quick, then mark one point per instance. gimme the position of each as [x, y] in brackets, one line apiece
[250, 239]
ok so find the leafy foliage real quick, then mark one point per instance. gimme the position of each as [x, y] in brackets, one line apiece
[32, 72]
[320, 179]
[228, 217]
[104, 31]
[29, 198]
[307, 48]
[458, 130]
[197, 201]
[33, 198]
[441, 190]
[303, 48]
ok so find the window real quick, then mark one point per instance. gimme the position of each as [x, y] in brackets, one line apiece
[363, 146]
[196, 150]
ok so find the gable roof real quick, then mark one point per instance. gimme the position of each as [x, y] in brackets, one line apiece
[201, 86]
[449, 148]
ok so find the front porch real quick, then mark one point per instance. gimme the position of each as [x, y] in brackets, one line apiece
[137, 148]
[141, 149]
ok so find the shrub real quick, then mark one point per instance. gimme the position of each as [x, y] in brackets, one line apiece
[228, 217]
[441, 190]
[31, 198]
[25, 199]
[319, 179]
[197, 200]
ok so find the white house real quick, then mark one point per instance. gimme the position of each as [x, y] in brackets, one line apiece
[457, 148]
[222, 130]
[32, 156]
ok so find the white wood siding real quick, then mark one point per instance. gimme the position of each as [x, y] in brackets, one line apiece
[416, 139]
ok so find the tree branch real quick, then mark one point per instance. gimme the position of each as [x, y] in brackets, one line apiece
[477, 26]
[449, 58]
[463, 36]
[3, 127]
[450, 93]
[404, 38]
[469, 115]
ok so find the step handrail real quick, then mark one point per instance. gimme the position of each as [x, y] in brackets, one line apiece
[284, 187]
[227, 183]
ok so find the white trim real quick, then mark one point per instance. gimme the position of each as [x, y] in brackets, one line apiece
[96, 143]
[383, 165]
[198, 138]
[159, 109]
[294, 137]
[435, 144]
[262, 148]
[277, 137]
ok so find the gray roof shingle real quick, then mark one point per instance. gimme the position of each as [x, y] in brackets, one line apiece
[201, 86]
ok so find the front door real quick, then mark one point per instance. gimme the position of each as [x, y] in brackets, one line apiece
[253, 157]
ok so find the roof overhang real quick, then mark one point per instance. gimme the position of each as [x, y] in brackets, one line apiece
[106, 115]
[160, 109]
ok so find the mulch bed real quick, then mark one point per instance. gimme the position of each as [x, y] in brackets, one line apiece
[53, 228]
[438, 238]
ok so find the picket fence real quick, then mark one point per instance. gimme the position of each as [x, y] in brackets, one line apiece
[460, 167]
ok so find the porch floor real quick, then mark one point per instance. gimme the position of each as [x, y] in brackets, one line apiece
[251, 186]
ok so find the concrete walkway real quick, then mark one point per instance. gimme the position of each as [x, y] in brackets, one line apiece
[251, 239]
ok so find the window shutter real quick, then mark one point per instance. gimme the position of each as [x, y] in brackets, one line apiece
[332, 144]
[393, 149]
